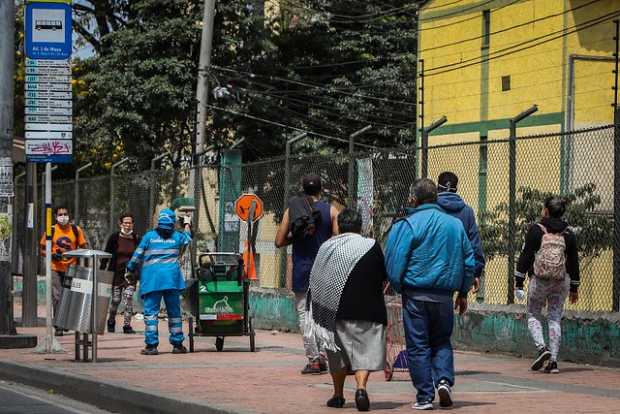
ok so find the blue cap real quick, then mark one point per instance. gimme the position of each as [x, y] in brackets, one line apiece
[167, 218]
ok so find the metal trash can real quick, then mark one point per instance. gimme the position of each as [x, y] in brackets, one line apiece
[75, 305]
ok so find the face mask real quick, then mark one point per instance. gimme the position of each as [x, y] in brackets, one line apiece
[126, 233]
[62, 220]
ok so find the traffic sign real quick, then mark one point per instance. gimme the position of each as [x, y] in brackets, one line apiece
[48, 62]
[52, 150]
[49, 135]
[57, 119]
[48, 127]
[47, 78]
[48, 95]
[243, 206]
[48, 86]
[33, 110]
[49, 103]
[48, 70]
[48, 31]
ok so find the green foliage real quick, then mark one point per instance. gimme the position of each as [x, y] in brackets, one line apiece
[594, 229]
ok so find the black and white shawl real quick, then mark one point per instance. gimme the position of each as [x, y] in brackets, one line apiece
[334, 263]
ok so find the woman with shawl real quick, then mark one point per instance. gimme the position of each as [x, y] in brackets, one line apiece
[347, 307]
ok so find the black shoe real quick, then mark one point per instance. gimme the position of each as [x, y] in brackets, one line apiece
[150, 350]
[58, 332]
[179, 349]
[361, 400]
[336, 402]
[552, 368]
[543, 356]
[127, 329]
[312, 368]
[111, 325]
[445, 394]
[323, 365]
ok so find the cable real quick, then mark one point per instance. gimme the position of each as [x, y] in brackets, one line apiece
[328, 137]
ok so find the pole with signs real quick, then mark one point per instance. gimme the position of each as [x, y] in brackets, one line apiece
[48, 110]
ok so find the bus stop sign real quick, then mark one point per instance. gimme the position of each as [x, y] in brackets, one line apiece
[48, 30]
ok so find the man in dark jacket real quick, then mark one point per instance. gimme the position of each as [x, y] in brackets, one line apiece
[454, 205]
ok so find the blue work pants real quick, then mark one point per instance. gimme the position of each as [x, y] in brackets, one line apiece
[152, 301]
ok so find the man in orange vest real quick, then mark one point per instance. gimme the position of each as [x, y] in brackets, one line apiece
[65, 237]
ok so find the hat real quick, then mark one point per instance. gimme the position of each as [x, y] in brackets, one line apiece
[311, 183]
[166, 219]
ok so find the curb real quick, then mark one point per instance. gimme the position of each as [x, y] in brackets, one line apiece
[106, 395]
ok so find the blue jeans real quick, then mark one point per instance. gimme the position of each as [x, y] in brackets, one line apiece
[152, 303]
[428, 328]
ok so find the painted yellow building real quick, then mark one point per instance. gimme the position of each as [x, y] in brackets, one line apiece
[484, 62]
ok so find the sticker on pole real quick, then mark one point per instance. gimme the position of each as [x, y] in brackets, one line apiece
[244, 204]
[48, 31]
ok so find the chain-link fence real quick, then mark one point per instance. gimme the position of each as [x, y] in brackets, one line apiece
[577, 164]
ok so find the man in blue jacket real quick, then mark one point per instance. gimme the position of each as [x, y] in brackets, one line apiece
[454, 205]
[157, 259]
[428, 257]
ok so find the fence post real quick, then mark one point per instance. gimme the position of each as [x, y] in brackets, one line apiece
[425, 133]
[512, 198]
[351, 176]
[152, 188]
[112, 197]
[76, 195]
[616, 248]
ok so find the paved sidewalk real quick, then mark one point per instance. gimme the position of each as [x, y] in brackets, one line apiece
[268, 381]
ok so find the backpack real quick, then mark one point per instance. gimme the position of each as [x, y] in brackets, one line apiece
[304, 225]
[550, 260]
[76, 233]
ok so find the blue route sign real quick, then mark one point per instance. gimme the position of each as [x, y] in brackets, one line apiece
[48, 31]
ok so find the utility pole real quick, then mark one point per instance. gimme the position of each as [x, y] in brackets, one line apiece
[7, 70]
[202, 98]
[29, 289]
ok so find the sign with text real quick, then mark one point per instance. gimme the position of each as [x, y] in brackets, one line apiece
[48, 31]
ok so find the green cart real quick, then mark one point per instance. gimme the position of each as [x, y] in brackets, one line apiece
[219, 300]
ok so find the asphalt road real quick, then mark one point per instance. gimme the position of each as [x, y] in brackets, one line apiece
[21, 399]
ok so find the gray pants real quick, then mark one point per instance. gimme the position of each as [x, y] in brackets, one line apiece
[311, 346]
[57, 279]
[552, 293]
[122, 295]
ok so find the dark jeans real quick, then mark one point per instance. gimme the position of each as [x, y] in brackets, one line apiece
[428, 328]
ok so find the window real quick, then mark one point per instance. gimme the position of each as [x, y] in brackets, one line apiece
[486, 28]
[505, 83]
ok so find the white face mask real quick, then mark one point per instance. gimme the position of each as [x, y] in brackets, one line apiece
[62, 220]
[126, 233]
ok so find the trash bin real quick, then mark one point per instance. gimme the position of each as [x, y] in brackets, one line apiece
[75, 304]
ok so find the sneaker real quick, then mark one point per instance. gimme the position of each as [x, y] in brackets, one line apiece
[58, 332]
[361, 400]
[111, 325]
[543, 356]
[323, 365]
[427, 405]
[445, 394]
[336, 402]
[150, 350]
[127, 329]
[552, 368]
[312, 368]
[179, 349]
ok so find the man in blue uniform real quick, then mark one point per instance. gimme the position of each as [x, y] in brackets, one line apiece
[157, 259]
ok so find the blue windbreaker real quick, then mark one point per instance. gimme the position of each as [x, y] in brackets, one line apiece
[429, 250]
[454, 205]
[158, 260]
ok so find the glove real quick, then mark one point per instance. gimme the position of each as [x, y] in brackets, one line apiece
[187, 220]
[130, 278]
[57, 256]
[519, 294]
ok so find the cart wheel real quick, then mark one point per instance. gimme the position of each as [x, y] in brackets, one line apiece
[388, 371]
[219, 343]
[252, 337]
[190, 323]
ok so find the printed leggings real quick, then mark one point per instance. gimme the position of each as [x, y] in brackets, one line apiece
[552, 293]
[124, 295]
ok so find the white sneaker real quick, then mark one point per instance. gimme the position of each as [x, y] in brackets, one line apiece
[445, 394]
[423, 405]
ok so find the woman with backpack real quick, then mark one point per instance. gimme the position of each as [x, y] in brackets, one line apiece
[550, 257]
[121, 245]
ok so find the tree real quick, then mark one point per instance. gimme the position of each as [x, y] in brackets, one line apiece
[594, 230]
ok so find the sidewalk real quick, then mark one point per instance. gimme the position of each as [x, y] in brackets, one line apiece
[268, 381]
